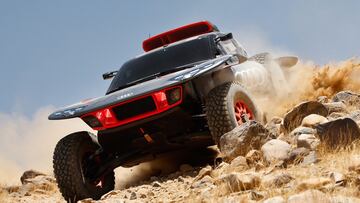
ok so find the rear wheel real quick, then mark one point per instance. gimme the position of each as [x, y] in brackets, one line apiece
[71, 162]
[227, 106]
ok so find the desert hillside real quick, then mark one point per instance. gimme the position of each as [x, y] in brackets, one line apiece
[306, 150]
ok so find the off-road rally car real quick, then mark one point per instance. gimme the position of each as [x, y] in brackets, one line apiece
[186, 90]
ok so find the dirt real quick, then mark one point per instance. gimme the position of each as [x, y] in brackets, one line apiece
[177, 178]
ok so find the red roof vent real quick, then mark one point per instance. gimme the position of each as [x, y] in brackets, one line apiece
[178, 34]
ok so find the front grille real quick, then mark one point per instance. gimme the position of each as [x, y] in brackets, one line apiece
[134, 108]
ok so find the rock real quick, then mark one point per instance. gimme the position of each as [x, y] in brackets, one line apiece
[132, 196]
[181, 179]
[239, 162]
[277, 199]
[286, 138]
[344, 199]
[313, 183]
[110, 194]
[338, 107]
[335, 115]
[313, 120]
[235, 182]
[309, 196]
[311, 158]
[307, 141]
[30, 174]
[205, 182]
[156, 184]
[355, 164]
[348, 98]
[203, 172]
[291, 137]
[185, 168]
[276, 180]
[302, 130]
[242, 139]
[275, 150]
[323, 99]
[338, 133]
[294, 117]
[256, 195]
[355, 115]
[297, 155]
[253, 157]
[232, 199]
[142, 193]
[274, 126]
[338, 178]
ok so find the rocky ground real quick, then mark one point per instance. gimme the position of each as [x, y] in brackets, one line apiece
[311, 154]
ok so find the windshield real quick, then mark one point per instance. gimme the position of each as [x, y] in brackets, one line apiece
[164, 60]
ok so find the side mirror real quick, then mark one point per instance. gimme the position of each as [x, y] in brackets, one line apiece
[109, 75]
[224, 37]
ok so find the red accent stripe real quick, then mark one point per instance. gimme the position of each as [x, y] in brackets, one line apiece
[177, 34]
[107, 117]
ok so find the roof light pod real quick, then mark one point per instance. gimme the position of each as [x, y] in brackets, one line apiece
[178, 34]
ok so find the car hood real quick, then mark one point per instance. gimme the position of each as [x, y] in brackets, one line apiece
[84, 107]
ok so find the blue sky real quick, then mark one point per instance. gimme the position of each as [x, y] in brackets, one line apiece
[54, 52]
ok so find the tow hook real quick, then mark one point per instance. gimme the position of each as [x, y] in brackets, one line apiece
[146, 136]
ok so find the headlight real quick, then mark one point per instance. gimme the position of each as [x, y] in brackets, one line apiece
[173, 95]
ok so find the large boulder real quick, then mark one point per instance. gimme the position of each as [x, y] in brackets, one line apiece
[295, 116]
[276, 150]
[242, 139]
[348, 98]
[338, 133]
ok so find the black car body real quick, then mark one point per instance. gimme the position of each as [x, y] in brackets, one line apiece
[185, 91]
[132, 102]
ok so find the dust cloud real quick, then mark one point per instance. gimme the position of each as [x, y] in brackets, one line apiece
[307, 81]
[28, 143]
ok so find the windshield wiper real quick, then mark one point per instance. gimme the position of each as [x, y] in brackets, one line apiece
[146, 78]
[179, 68]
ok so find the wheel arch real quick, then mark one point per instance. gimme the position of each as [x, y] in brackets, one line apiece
[207, 82]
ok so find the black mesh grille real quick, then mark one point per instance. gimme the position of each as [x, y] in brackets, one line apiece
[134, 108]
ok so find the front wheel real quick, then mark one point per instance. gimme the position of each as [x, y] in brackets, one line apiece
[71, 161]
[226, 107]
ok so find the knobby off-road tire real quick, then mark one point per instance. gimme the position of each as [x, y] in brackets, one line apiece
[220, 109]
[69, 165]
